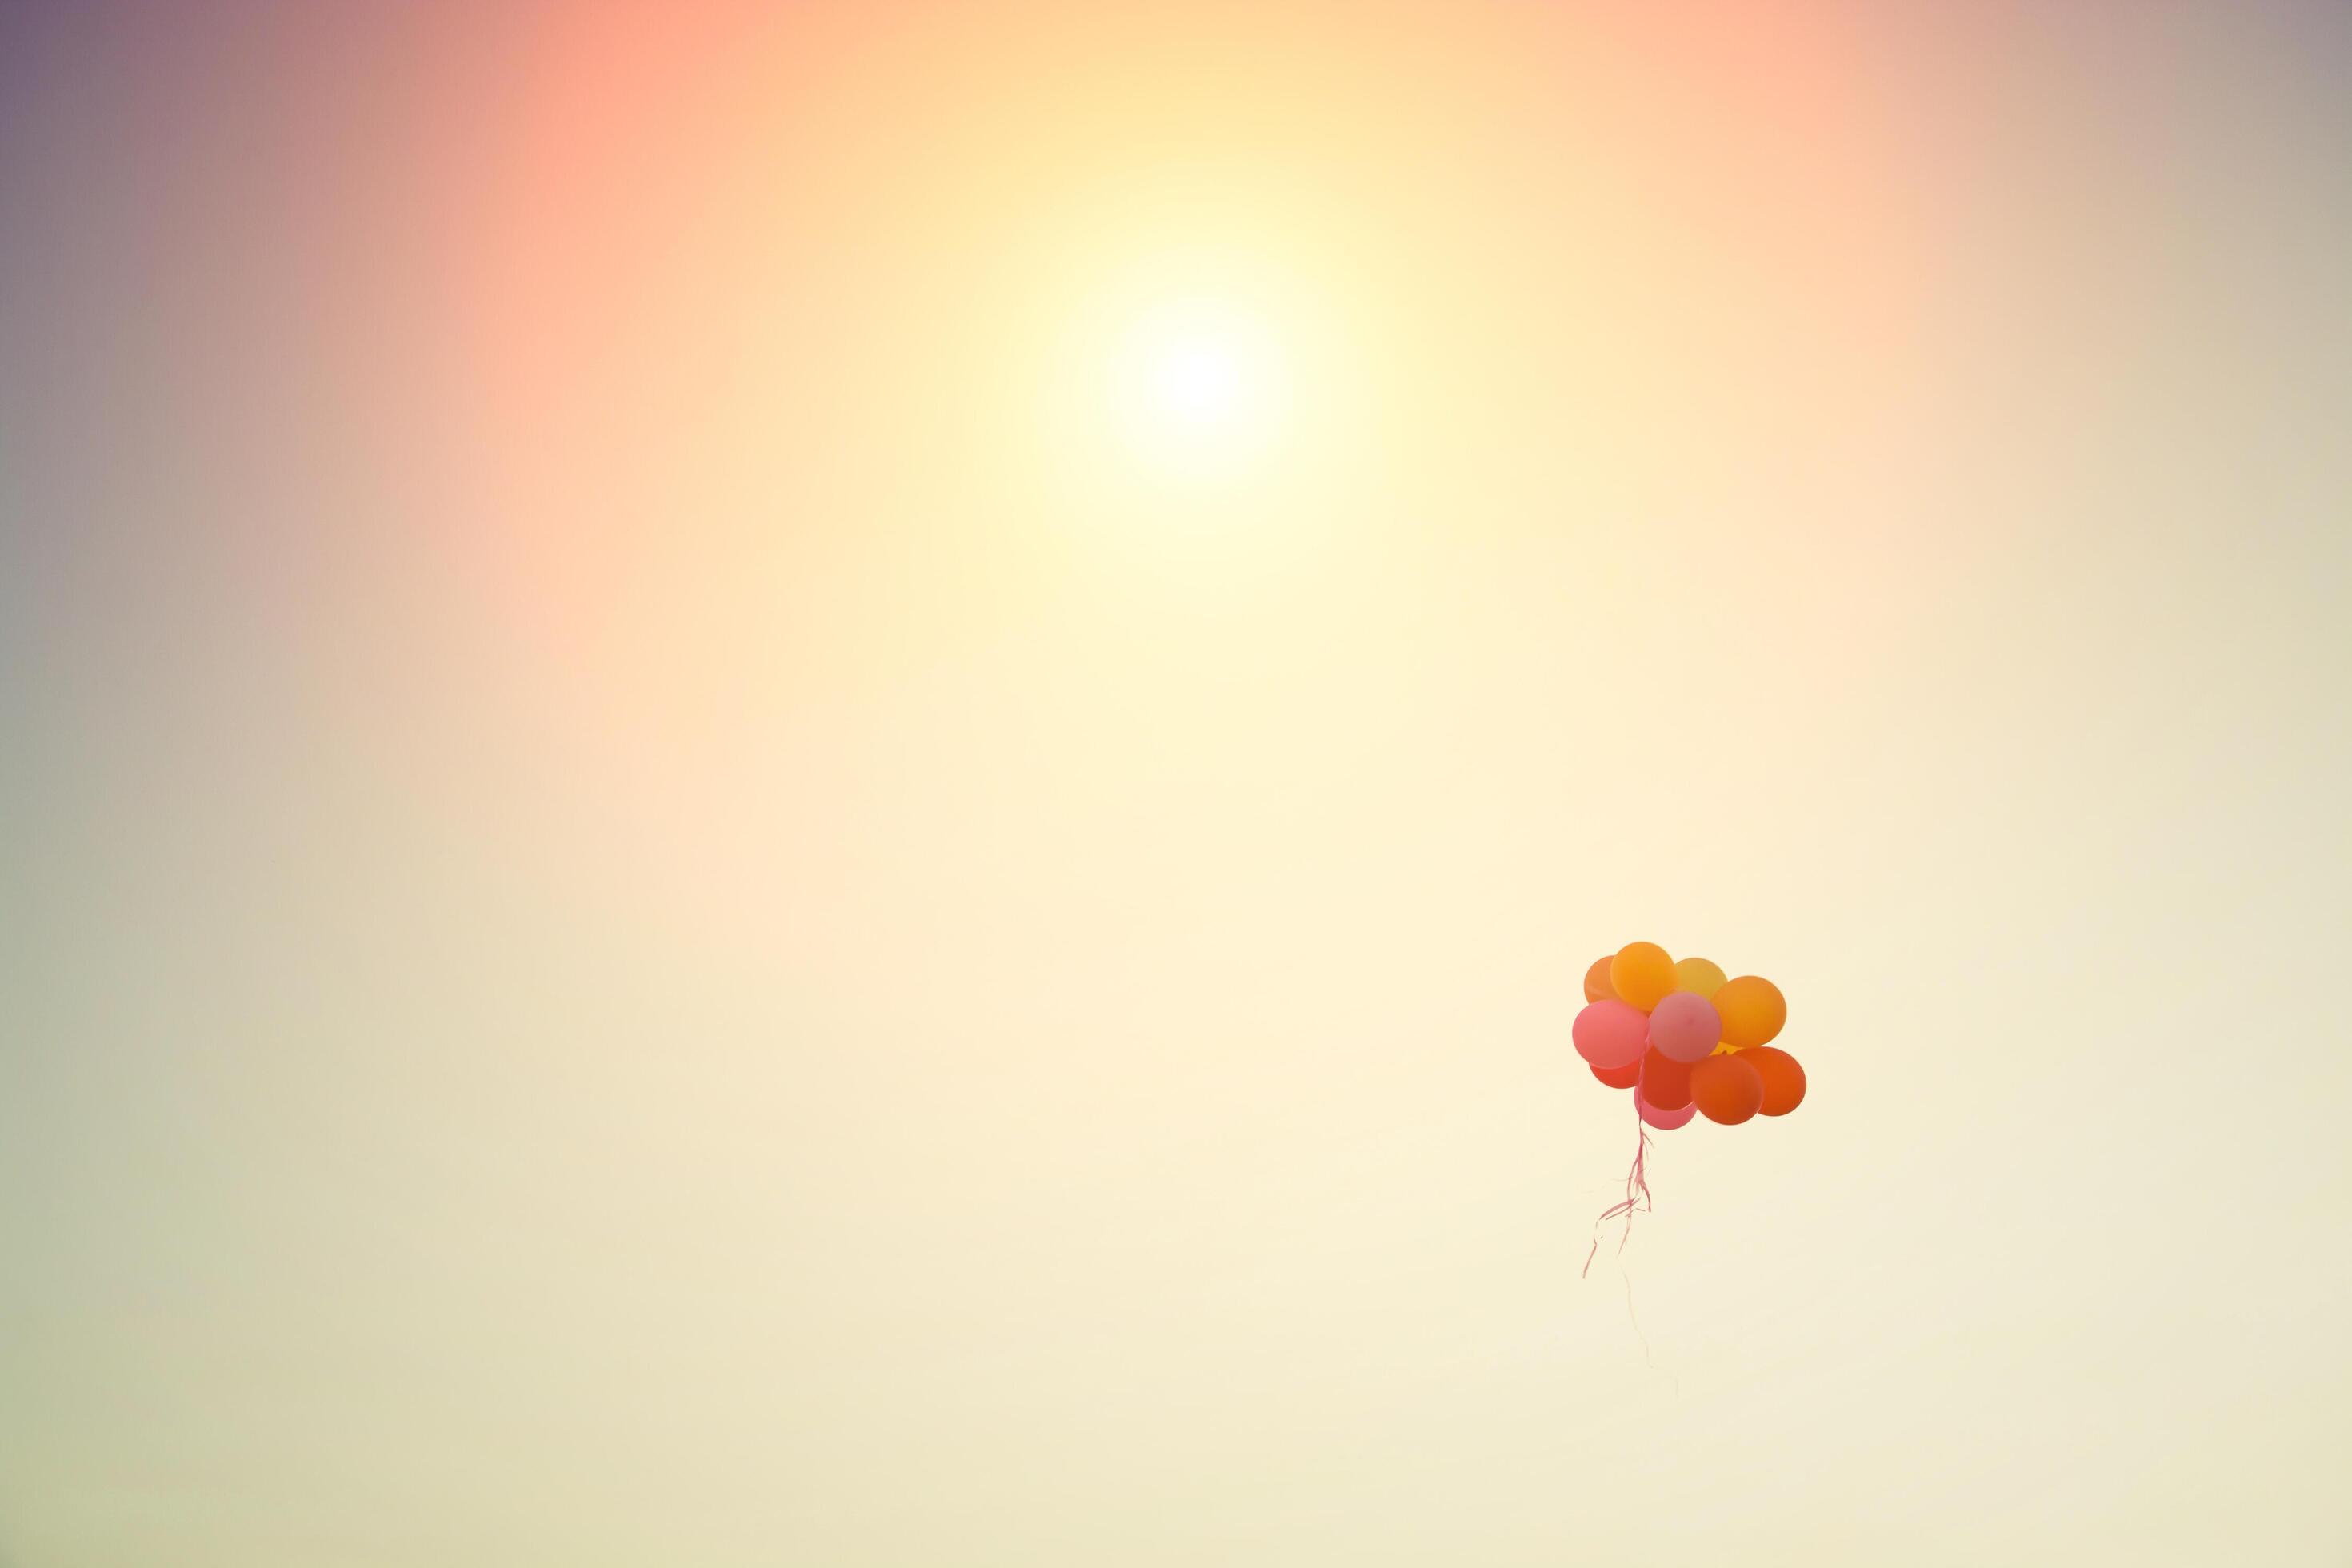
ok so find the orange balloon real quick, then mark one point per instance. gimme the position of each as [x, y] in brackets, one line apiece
[1665, 1082]
[1726, 1089]
[1753, 1010]
[1620, 1078]
[1641, 974]
[1784, 1080]
[1596, 981]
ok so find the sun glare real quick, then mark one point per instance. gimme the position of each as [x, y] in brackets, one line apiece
[1204, 388]
[1197, 382]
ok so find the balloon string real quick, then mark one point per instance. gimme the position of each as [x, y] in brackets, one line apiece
[1636, 1199]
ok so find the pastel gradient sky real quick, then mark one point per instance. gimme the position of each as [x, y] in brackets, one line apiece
[664, 898]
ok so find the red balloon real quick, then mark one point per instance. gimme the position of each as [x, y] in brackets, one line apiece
[1727, 1089]
[1625, 1077]
[1784, 1080]
[1664, 1120]
[1665, 1082]
[1611, 1033]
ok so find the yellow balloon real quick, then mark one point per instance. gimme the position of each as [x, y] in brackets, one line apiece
[1641, 974]
[1752, 1009]
[1699, 977]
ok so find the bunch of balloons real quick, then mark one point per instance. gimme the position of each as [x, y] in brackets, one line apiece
[1686, 1040]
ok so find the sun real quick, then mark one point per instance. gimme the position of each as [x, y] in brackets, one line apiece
[1203, 388]
[1197, 382]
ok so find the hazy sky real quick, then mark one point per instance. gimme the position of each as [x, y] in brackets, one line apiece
[826, 784]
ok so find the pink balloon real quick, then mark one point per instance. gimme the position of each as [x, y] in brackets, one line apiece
[1612, 1034]
[1664, 1120]
[1684, 1026]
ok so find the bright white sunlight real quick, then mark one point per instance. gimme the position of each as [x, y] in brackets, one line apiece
[1203, 386]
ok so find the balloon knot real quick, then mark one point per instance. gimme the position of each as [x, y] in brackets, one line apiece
[1636, 1201]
